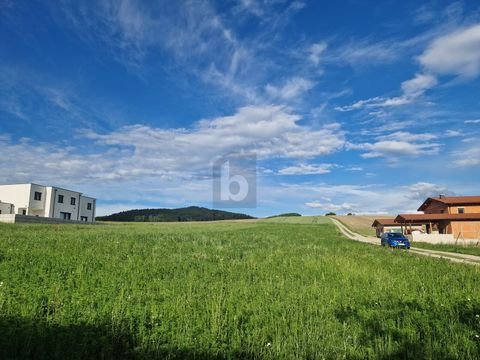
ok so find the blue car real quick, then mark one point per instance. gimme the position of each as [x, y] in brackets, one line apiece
[395, 240]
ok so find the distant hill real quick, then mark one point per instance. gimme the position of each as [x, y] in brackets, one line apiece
[192, 213]
[284, 215]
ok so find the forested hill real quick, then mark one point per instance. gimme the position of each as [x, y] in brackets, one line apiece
[192, 213]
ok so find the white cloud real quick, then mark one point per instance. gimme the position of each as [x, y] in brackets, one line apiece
[365, 52]
[469, 157]
[476, 121]
[252, 6]
[457, 53]
[376, 102]
[315, 51]
[418, 85]
[307, 169]
[411, 90]
[343, 207]
[422, 190]
[191, 35]
[371, 199]
[393, 149]
[453, 133]
[404, 135]
[268, 131]
[354, 168]
[292, 89]
[142, 152]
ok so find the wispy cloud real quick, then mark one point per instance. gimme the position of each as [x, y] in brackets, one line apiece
[373, 199]
[55, 104]
[190, 34]
[411, 90]
[292, 89]
[365, 52]
[476, 121]
[469, 157]
[456, 53]
[315, 52]
[398, 145]
[343, 207]
[307, 169]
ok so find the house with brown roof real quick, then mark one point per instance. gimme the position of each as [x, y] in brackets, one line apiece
[456, 215]
[385, 225]
[449, 218]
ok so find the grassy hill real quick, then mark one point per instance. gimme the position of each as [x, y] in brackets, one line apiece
[284, 215]
[298, 220]
[192, 213]
[361, 224]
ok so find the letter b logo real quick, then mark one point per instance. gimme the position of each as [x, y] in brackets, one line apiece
[234, 181]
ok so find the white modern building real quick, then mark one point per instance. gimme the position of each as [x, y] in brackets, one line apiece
[46, 201]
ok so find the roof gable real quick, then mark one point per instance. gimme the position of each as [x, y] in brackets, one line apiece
[384, 222]
[419, 218]
[451, 200]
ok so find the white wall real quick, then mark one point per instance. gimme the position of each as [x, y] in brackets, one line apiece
[18, 195]
[6, 208]
[22, 196]
[90, 214]
[441, 239]
[37, 207]
[7, 218]
[56, 208]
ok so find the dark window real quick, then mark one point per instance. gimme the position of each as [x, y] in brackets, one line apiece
[461, 210]
[89, 206]
[66, 215]
[84, 218]
[24, 212]
[72, 201]
[38, 195]
[60, 199]
[0, 211]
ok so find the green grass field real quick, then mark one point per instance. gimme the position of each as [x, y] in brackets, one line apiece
[250, 290]
[306, 220]
[461, 249]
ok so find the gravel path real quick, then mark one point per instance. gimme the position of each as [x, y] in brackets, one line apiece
[455, 257]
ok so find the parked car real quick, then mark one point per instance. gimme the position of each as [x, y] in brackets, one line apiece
[395, 239]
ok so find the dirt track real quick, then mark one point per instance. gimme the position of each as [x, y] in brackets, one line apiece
[455, 257]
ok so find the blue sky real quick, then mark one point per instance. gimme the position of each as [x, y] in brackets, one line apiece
[352, 106]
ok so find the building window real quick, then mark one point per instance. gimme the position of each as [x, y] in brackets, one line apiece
[24, 212]
[38, 195]
[60, 199]
[89, 206]
[461, 210]
[72, 201]
[65, 215]
[84, 218]
[0, 212]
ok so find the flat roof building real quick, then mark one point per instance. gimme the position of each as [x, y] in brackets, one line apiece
[48, 201]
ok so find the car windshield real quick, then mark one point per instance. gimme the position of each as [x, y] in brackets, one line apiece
[395, 235]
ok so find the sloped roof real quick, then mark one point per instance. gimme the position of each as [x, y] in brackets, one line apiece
[451, 200]
[384, 222]
[416, 218]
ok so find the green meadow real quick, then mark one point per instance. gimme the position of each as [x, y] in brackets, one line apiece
[228, 290]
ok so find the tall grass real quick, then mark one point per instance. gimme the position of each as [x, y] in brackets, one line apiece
[470, 249]
[227, 290]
